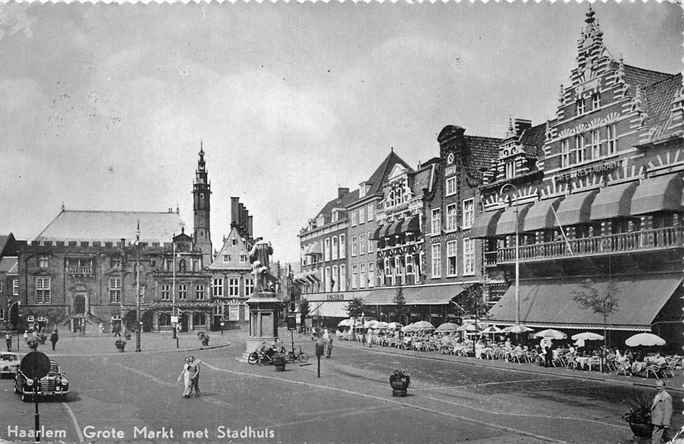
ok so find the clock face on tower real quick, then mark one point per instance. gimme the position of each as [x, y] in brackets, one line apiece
[450, 158]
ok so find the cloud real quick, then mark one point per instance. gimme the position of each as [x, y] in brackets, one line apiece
[14, 19]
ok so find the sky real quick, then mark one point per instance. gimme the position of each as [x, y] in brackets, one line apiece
[103, 107]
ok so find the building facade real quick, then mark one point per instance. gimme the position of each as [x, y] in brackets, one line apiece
[604, 213]
[9, 281]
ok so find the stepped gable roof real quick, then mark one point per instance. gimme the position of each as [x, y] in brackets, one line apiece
[659, 97]
[482, 150]
[383, 170]
[228, 257]
[112, 226]
[533, 139]
[8, 264]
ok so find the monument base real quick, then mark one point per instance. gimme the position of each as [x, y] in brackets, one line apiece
[263, 321]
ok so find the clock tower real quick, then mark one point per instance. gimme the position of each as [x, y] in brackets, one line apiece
[201, 191]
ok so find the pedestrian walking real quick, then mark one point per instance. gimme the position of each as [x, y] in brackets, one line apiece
[328, 341]
[186, 376]
[194, 375]
[54, 337]
[661, 413]
[8, 342]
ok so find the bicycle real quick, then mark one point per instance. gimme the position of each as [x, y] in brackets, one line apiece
[300, 356]
[261, 356]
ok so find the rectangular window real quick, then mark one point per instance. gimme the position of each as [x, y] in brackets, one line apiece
[355, 277]
[80, 266]
[580, 106]
[195, 265]
[165, 292]
[371, 275]
[335, 278]
[354, 217]
[249, 286]
[362, 215]
[595, 144]
[326, 249]
[335, 249]
[199, 291]
[611, 134]
[452, 217]
[343, 246]
[43, 262]
[387, 270]
[595, 101]
[226, 258]
[509, 168]
[217, 287]
[343, 278]
[452, 263]
[410, 269]
[363, 243]
[468, 213]
[450, 185]
[2, 314]
[398, 271]
[15, 287]
[363, 278]
[370, 212]
[355, 247]
[436, 221]
[327, 276]
[565, 153]
[42, 290]
[233, 287]
[371, 242]
[578, 149]
[436, 261]
[115, 290]
[468, 257]
[182, 291]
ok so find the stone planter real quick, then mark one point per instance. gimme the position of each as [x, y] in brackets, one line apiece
[399, 385]
[279, 362]
[641, 430]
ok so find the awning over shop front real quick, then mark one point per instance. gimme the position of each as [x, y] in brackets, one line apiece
[663, 193]
[550, 303]
[485, 224]
[613, 201]
[540, 216]
[331, 310]
[394, 228]
[378, 233]
[511, 219]
[421, 295]
[575, 209]
[410, 225]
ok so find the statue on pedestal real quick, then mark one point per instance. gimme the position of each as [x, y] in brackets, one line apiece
[259, 259]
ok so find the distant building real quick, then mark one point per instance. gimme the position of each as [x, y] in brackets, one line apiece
[9, 280]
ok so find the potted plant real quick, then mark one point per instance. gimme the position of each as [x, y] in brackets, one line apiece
[120, 344]
[639, 415]
[279, 361]
[399, 380]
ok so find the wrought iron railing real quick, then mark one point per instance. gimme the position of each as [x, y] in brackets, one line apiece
[644, 240]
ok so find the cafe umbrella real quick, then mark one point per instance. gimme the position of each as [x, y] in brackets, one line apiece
[644, 340]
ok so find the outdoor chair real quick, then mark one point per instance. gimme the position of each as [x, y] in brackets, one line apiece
[653, 369]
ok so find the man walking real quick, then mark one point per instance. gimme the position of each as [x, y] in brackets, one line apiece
[8, 342]
[328, 340]
[661, 413]
[54, 337]
[194, 375]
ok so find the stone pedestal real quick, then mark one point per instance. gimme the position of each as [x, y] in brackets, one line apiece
[263, 320]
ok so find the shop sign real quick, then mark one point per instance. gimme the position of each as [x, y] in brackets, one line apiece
[600, 169]
[334, 297]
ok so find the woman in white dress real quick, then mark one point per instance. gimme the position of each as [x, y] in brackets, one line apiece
[186, 375]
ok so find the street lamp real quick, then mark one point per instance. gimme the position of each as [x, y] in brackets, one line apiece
[517, 258]
[137, 288]
[173, 289]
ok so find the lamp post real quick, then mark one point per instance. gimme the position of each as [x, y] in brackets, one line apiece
[137, 289]
[517, 258]
[173, 290]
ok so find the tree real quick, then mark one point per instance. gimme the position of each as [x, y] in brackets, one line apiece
[303, 311]
[602, 302]
[355, 308]
[400, 304]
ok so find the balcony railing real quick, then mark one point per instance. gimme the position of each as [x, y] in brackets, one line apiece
[645, 240]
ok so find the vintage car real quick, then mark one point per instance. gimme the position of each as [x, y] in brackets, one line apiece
[9, 364]
[54, 384]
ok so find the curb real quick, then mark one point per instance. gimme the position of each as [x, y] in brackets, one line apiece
[176, 350]
[484, 362]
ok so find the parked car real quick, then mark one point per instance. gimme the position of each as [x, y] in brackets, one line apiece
[9, 364]
[54, 384]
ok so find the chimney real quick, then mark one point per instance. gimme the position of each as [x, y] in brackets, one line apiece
[341, 191]
[250, 227]
[520, 125]
[234, 211]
